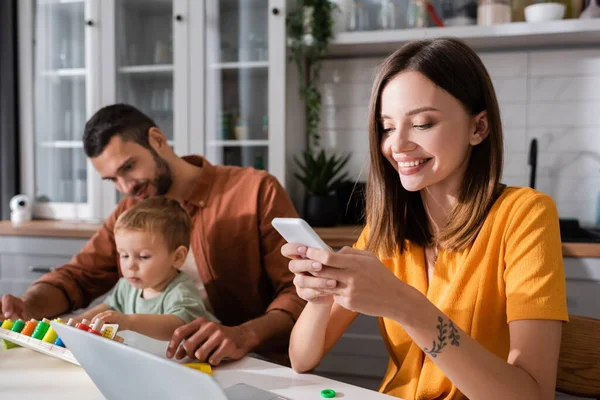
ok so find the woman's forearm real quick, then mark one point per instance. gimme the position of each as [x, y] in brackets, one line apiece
[307, 342]
[476, 372]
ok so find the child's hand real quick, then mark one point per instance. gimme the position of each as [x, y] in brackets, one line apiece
[114, 317]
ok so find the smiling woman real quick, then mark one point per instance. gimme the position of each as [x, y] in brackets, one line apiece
[465, 273]
[425, 103]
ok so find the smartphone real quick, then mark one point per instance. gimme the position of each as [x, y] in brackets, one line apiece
[297, 230]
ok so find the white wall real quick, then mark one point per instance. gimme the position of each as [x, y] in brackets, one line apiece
[551, 95]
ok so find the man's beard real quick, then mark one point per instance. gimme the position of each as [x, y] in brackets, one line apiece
[162, 180]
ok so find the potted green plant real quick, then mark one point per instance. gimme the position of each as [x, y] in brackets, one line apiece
[321, 175]
[310, 31]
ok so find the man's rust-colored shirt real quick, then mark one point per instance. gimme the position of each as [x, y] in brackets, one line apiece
[237, 251]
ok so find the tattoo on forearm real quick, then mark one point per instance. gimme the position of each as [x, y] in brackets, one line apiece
[441, 341]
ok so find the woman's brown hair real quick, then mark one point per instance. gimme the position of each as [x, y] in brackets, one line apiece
[395, 215]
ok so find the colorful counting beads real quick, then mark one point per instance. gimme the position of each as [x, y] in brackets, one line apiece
[29, 327]
[51, 335]
[41, 329]
[18, 326]
[7, 324]
[84, 325]
[96, 327]
[21, 332]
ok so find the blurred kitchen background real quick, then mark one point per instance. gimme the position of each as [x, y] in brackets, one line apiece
[216, 77]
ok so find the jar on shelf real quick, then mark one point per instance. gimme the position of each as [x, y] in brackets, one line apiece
[459, 12]
[518, 9]
[492, 12]
[591, 10]
[574, 8]
[417, 15]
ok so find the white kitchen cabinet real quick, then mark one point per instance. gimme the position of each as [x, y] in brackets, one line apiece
[583, 286]
[211, 74]
[24, 259]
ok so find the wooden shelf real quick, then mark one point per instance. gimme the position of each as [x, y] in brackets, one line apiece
[50, 228]
[511, 36]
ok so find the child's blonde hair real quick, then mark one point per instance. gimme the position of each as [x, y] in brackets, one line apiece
[158, 215]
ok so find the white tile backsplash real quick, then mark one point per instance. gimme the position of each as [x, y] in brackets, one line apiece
[505, 64]
[553, 96]
[567, 139]
[564, 88]
[346, 139]
[352, 71]
[511, 89]
[568, 190]
[516, 180]
[514, 115]
[349, 117]
[580, 164]
[564, 113]
[515, 139]
[515, 163]
[564, 62]
[358, 165]
[346, 94]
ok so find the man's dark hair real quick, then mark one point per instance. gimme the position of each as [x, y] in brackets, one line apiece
[122, 120]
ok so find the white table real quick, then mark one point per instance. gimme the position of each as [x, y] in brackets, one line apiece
[26, 374]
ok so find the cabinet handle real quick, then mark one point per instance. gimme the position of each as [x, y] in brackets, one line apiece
[40, 269]
[179, 17]
[275, 11]
[89, 22]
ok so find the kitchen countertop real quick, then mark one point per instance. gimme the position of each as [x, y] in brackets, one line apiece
[50, 228]
[336, 237]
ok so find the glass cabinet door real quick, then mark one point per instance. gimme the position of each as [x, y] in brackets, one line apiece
[59, 106]
[144, 46]
[237, 82]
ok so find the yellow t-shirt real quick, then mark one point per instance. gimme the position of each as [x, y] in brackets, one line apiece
[512, 271]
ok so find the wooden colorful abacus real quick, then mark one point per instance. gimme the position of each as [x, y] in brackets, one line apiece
[41, 337]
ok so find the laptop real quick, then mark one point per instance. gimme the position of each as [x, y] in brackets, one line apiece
[122, 372]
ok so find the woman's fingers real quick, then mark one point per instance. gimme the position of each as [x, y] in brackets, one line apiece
[293, 251]
[312, 282]
[303, 266]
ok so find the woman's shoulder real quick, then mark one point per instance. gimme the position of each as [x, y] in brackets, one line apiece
[514, 198]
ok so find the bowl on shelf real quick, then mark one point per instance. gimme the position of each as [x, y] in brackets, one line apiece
[544, 12]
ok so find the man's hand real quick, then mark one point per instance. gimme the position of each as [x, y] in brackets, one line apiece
[208, 341]
[14, 308]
